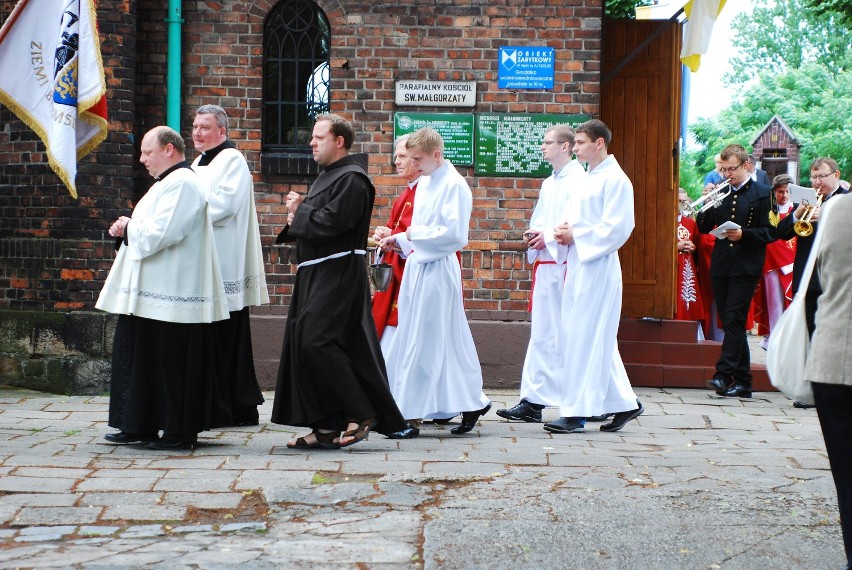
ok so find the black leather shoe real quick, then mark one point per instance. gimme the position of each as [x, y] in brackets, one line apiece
[407, 432]
[719, 384]
[565, 425]
[128, 437]
[167, 443]
[442, 421]
[523, 412]
[802, 405]
[469, 420]
[622, 418]
[737, 391]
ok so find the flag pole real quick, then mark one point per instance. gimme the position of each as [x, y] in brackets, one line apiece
[7, 25]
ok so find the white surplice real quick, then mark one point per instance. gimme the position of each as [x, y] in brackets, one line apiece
[541, 377]
[230, 198]
[432, 364]
[169, 269]
[601, 214]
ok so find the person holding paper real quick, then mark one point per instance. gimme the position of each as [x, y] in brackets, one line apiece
[736, 265]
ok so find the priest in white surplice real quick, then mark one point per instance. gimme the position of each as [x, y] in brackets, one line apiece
[432, 364]
[541, 378]
[598, 220]
[230, 197]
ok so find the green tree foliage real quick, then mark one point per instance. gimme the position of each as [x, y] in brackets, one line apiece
[623, 9]
[787, 34]
[815, 103]
[842, 9]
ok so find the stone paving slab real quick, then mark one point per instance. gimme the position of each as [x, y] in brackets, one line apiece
[508, 495]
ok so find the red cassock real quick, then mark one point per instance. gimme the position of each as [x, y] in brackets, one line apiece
[690, 303]
[384, 302]
[779, 254]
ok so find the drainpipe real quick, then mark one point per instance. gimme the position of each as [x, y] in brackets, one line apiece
[173, 87]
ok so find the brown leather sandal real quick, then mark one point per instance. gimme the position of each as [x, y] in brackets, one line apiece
[360, 433]
[322, 441]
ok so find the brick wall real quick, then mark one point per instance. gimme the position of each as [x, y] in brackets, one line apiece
[54, 250]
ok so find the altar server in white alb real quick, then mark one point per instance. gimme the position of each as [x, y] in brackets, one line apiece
[598, 220]
[541, 378]
[230, 203]
[166, 287]
[432, 364]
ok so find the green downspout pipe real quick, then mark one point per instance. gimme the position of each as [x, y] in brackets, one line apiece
[173, 87]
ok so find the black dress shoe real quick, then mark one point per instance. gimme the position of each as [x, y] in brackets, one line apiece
[565, 425]
[802, 405]
[469, 420]
[128, 437]
[622, 418]
[523, 412]
[719, 384]
[737, 391]
[408, 432]
[167, 443]
[442, 421]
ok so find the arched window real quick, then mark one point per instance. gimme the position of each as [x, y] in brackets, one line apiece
[296, 40]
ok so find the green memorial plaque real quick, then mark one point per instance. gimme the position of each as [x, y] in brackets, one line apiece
[455, 128]
[510, 144]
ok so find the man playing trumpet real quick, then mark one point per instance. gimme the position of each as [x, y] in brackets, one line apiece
[736, 266]
[825, 178]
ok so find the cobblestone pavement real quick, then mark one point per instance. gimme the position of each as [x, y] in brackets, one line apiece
[696, 482]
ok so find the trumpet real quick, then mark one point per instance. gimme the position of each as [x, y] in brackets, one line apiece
[711, 199]
[805, 227]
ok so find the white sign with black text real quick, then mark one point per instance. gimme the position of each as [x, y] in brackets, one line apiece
[436, 93]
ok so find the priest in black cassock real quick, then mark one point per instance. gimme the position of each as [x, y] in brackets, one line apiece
[332, 375]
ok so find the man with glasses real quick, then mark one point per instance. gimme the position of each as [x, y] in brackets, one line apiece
[825, 178]
[736, 265]
[757, 174]
[541, 378]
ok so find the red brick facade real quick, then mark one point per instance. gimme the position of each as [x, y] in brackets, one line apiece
[55, 252]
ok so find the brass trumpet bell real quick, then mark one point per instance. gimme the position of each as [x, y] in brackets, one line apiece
[804, 227]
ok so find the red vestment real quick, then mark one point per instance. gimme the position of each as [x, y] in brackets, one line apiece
[690, 304]
[384, 302]
[780, 253]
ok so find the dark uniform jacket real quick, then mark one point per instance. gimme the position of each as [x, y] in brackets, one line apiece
[749, 207]
[803, 247]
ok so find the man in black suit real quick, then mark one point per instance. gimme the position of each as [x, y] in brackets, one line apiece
[756, 174]
[736, 266]
[825, 178]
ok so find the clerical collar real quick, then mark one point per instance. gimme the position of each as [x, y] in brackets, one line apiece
[162, 175]
[414, 182]
[208, 156]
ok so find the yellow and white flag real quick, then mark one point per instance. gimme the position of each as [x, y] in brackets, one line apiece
[701, 16]
[52, 78]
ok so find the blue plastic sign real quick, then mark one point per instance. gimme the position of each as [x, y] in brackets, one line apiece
[525, 67]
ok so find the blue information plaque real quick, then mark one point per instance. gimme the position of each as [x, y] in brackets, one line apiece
[525, 67]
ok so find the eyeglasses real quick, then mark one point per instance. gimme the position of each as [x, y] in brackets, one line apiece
[817, 177]
[731, 169]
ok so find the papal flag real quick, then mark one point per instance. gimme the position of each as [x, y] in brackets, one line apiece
[701, 16]
[52, 78]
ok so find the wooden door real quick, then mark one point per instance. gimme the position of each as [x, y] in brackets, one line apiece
[640, 102]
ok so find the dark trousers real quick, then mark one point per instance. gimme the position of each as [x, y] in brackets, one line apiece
[834, 407]
[733, 297]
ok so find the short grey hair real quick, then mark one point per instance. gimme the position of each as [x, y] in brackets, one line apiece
[781, 180]
[216, 111]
